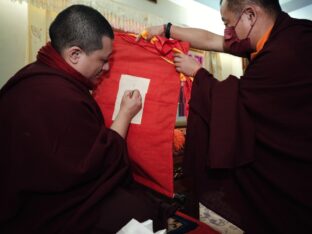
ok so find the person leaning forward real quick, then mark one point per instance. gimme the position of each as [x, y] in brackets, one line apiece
[62, 170]
[248, 143]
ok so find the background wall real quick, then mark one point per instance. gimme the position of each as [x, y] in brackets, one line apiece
[231, 65]
[14, 28]
[14, 25]
[13, 33]
[303, 13]
[182, 12]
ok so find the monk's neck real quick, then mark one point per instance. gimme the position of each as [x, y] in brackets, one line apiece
[263, 26]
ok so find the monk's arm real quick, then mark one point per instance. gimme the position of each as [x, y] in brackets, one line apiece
[198, 38]
[121, 124]
[131, 104]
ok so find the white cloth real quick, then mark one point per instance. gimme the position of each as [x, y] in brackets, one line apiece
[135, 227]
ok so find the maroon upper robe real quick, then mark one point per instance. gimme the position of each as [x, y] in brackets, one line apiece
[61, 170]
[249, 140]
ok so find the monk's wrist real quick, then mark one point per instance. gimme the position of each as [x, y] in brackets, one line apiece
[195, 71]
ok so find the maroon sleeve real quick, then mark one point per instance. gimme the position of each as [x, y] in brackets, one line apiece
[219, 121]
[64, 140]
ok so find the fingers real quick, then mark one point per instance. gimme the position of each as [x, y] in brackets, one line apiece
[135, 93]
[177, 62]
[177, 58]
[179, 55]
[178, 68]
[128, 93]
[185, 64]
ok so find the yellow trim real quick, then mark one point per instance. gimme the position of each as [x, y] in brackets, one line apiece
[153, 40]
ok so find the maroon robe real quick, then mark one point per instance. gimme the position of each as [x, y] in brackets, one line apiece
[249, 140]
[61, 170]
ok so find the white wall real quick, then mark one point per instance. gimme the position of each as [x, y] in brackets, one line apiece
[13, 28]
[182, 12]
[13, 36]
[231, 65]
[303, 13]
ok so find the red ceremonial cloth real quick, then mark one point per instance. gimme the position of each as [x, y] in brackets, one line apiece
[150, 143]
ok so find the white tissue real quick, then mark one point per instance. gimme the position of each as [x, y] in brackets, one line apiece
[135, 227]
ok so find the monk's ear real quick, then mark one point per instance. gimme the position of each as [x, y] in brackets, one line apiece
[73, 54]
[251, 13]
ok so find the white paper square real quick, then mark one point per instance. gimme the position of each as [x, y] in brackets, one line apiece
[128, 82]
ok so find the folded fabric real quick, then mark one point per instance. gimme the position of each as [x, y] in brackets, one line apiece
[135, 227]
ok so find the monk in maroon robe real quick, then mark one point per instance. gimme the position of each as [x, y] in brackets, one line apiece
[62, 170]
[249, 140]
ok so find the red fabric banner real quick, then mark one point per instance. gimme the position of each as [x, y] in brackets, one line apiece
[150, 142]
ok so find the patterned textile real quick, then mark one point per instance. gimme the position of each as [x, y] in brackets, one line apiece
[217, 222]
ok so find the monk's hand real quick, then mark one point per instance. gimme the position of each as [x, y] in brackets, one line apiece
[186, 64]
[131, 103]
[150, 32]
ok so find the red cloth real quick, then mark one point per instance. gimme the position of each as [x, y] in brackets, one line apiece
[187, 87]
[150, 143]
